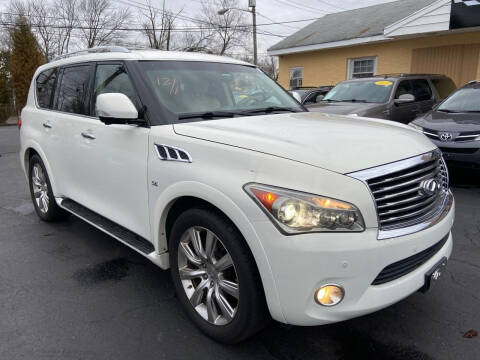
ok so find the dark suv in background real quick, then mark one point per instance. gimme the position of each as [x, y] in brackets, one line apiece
[309, 95]
[454, 126]
[399, 97]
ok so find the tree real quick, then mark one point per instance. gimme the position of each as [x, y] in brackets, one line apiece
[158, 25]
[6, 100]
[99, 22]
[26, 57]
[68, 13]
[226, 31]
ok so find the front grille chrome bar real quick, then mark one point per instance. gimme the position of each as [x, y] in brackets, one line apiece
[403, 203]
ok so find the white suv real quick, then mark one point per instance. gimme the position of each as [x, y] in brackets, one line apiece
[206, 166]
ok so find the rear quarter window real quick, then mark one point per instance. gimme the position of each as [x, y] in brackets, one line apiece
[45, 88]
[445, 87]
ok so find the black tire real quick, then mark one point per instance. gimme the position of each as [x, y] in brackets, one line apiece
[54, 212]
[251, 314]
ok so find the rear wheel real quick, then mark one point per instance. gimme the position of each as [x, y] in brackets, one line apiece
[215, 276]
[41, 192]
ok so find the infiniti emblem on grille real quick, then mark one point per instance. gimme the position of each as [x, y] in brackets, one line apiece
[446, 136]
[429, 187]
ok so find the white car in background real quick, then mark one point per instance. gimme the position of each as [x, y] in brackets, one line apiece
[259, 208]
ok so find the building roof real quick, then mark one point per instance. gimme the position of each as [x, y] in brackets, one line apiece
[364, 22]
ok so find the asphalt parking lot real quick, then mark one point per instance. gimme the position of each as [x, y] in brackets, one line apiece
[68, 291]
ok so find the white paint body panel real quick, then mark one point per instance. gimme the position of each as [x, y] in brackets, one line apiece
[309, 152]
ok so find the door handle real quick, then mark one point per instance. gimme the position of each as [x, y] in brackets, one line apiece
[87, 135]
[47, 125]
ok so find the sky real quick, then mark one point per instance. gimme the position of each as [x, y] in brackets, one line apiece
[268, 11]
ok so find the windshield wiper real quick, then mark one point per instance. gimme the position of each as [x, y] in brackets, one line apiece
[331, 100]
[449, 111]
[209, 115]
[353, 100]
[271, 109]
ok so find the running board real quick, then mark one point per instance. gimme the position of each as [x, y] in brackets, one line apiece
[120, 233]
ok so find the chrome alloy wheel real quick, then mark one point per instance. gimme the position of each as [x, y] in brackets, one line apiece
[208, 275]
[40, 188]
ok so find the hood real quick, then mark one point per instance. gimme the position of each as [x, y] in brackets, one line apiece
[441, 121]
[337, 143]
[343, 108]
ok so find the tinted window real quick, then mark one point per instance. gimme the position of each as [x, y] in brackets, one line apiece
[421, 90]
[45, 87]
[445, 86]
[404, 87]
[72, 95]
[312, 97]
[112, 78]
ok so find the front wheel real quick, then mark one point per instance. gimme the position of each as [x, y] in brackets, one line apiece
[215, 276]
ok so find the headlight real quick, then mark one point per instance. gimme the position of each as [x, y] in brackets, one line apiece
[295, 212]
[353, 114]
[415, 126]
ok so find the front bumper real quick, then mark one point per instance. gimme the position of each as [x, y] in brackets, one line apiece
[301, 264]
[463, 154]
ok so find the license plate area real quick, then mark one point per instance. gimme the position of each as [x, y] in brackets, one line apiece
[432, 275]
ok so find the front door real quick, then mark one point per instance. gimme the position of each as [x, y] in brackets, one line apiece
[109, 162]
[404, 113]
[423, 94]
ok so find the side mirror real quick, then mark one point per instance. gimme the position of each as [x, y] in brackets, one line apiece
[297, 96]
[116, 108]
[405, 99]
[319, 98]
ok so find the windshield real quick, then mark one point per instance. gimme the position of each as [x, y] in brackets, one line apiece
[464, 100]
[203, 90]
[369, 91]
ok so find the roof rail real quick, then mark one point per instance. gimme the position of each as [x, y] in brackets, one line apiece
[473, 82]
[97, 49]
[404, 75]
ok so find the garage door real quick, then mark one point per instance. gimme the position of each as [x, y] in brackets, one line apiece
[460, 62]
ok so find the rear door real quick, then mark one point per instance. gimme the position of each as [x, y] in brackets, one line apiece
[72, 108]
[404, 113]
[423, 94]
[45, 128]
[110, 161]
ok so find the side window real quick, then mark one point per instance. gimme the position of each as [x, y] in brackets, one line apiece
[45, 84]
[404, 87]
[421, 90]
[445, 86]
[72, 94]
[112, 78]
[312, 97]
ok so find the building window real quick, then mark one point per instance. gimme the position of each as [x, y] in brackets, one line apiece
[362, 67]
[296, 77]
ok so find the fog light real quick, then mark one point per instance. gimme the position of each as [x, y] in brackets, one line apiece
[329, 295]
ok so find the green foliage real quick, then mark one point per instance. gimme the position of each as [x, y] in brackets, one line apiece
[6, 98]
[26, 57]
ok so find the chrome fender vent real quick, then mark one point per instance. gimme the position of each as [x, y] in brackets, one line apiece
[171, 153]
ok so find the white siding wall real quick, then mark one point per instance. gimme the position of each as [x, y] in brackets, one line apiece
[435, 17]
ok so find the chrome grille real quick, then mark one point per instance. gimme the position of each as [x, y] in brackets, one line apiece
[456, 136]
[401, 189]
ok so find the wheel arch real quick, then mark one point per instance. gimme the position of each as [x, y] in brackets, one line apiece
[32, 148]
[186, 195]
